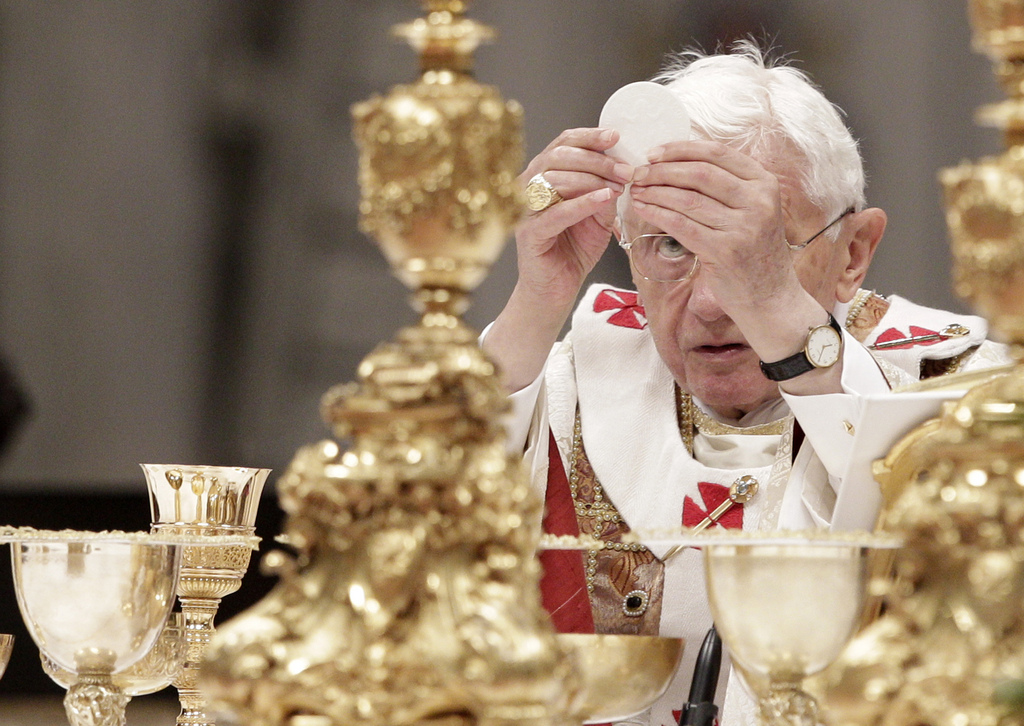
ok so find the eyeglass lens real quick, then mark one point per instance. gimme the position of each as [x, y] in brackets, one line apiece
[662, 258]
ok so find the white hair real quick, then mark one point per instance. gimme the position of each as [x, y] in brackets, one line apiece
[744, 101]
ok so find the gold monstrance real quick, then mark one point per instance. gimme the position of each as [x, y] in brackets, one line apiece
[413, 594]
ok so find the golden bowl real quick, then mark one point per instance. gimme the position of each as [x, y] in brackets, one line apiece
[620, 675]
[6, 646]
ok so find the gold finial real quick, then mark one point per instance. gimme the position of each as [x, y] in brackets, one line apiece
[445, 39]
[438, 164]
[985, 199]
[998, 32]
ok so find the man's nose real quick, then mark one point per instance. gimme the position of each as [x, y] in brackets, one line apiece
[703, 302]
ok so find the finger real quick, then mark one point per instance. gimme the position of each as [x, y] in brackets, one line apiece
[570, 158]
[672, 222]
[717, 154]
[735, 243]
[572, 184]
[586, 138]
[559, 217]
[700, 208]
[699, 175]
[581, 150]
[706, 242]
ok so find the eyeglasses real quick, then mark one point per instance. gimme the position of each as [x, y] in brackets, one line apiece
[662, 258]
[849, 210]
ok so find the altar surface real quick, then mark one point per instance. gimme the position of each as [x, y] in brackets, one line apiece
[49, 711]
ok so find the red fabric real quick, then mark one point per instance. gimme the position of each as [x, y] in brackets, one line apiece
[563, 586]
[915, 331]
[713, 495]
[629, 313]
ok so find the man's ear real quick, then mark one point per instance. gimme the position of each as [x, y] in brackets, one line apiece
[868, 227]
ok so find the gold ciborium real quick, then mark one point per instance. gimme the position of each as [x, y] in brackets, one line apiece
[204, 501]
[620, 675]
[95, 604]
[785, 604]
[6, 648]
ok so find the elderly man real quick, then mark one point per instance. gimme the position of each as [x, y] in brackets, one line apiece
[735, 371]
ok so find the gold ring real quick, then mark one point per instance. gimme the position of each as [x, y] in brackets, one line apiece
[540, 194]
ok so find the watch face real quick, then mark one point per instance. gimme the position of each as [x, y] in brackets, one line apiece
[823, 346]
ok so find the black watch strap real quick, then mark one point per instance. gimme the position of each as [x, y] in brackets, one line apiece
[796, 364]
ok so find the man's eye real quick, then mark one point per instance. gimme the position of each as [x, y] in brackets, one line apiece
[669, 247]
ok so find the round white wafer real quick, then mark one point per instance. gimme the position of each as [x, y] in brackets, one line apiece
[646, 115]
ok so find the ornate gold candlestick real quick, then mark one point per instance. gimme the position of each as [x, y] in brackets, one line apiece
[413, 595]
[985, 199]
[204, 501]
[953, 629]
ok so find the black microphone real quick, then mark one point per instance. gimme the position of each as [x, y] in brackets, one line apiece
[700, 708]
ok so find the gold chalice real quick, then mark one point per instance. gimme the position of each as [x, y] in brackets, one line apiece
[621, 675]
[95, 604]
[204, 501]
[785, 604]
[6, 648]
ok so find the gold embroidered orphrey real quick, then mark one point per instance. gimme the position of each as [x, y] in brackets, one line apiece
[624, 580]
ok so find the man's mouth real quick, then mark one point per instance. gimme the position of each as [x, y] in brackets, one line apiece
[724, 348]
[721, 352]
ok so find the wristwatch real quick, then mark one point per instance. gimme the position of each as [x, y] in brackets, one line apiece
[822, 349]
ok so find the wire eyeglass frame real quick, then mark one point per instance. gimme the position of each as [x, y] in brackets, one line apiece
[631, 244]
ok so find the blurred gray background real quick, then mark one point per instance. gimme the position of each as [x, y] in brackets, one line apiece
[181, 276]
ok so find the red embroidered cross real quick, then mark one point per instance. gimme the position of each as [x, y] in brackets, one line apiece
[713, 495]
[629, 313]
